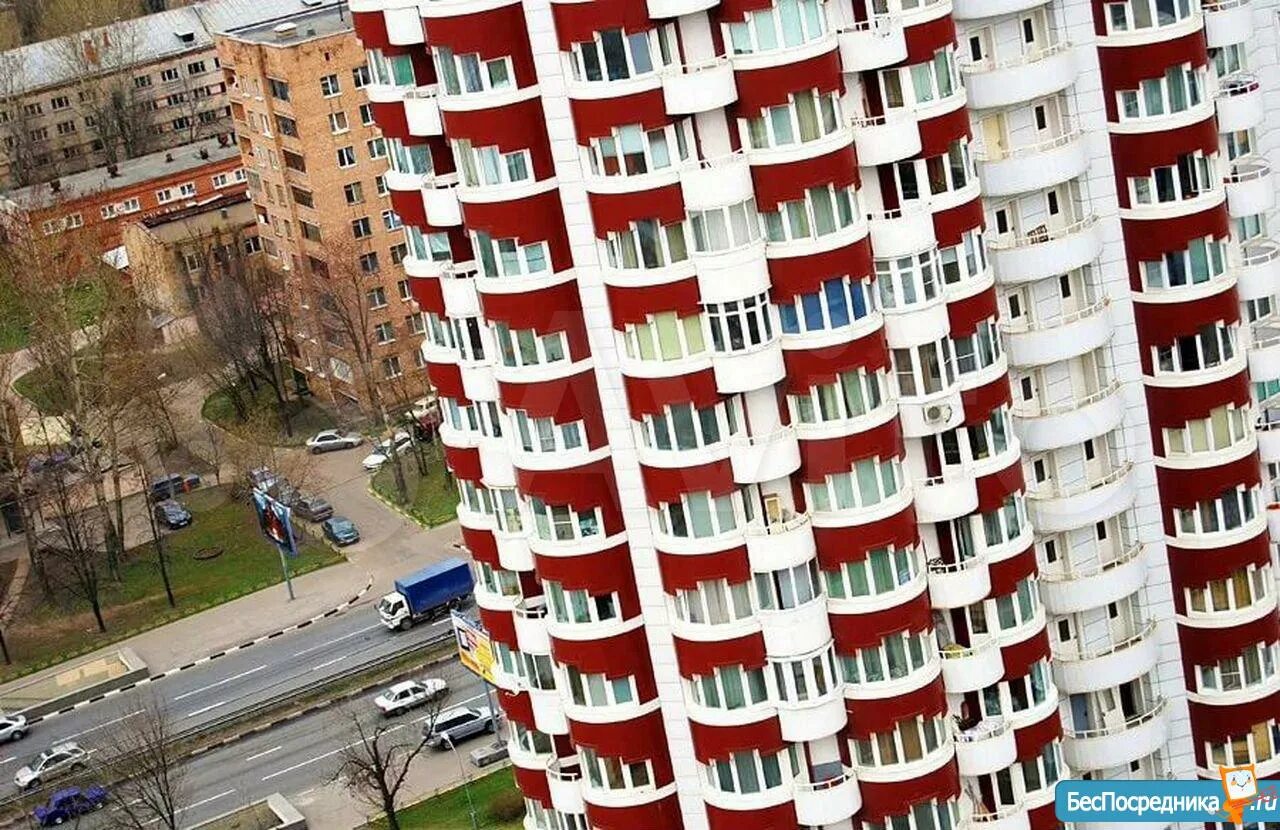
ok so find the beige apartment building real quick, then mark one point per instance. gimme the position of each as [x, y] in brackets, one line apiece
[104, 95]
[315, 164]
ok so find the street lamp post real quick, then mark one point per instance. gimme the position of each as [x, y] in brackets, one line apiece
[466, 785]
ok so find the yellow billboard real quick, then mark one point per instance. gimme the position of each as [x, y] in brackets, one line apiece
[474, 648]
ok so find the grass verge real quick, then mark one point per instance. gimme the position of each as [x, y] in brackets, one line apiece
[15, 321]
[449, 810]
[433, 498]
[262, 422]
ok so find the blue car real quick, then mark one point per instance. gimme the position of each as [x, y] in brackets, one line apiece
[341, 531]
[67, 804]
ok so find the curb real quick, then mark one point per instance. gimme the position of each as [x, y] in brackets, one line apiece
[392, 506]
[332, 612]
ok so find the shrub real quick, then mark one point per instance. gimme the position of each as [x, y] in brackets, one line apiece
[507, 805]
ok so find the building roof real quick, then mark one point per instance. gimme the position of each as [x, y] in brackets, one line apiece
[128, 173]
[223, 201]
[298, 28]
[151, 38]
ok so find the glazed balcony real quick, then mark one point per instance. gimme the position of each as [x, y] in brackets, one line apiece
[914, 324]
[1022, 78]
[873, 43]
[986, 747]
[884, 139]
[1032, 167]
[1119, 744]
[791, 632]
[828, 802]
[761, 458]
[1227, 22]
[1061, 508]
[1069, 589]
[1079, 670]
[1258, 271]
[718, 182]
[1040, 342]
[942, 498]
[1250, 189]
[970, 668]
[1045, 252]
[959, 584]
[815, 719]
[701, 86]
[901, 231]
[1239, 103]
[530, 618]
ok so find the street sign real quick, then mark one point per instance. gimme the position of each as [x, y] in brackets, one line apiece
[276, 521]
[475, 650]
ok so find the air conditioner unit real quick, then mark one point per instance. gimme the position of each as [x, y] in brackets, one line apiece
[938, 413]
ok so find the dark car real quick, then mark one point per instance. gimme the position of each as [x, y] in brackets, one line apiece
[341, 531]
[172, 486]
[172, 514]
[313, 508]
[70, 803]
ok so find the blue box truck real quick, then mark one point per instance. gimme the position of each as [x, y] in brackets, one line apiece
[423, 595]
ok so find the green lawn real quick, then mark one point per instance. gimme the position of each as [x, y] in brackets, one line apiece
[51, 632]
[48, 396]
[263, 423]
[448, 811]
[15, 321]
[433, 498]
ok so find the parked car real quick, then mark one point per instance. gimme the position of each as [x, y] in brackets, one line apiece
[453, 726]
[340, 530]
[172, 514]
[382, 450]
[55, 761]
[13, 727]
[332, 439]
[409, 694]
[313, 508]
[261, 478]
[70, 803]
[172, 486]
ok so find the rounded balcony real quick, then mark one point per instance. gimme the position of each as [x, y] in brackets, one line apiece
[440, 199]
[873, 43]
[772, 546]
[1040, 342]
[548, 711]
[1264, 353]
[986, 747]
[959, 584]
[1037, 74]
[732, 274]
[804, 629]
[815, 719]
[978, 9]
[1071, 589]
[701, 86]
[749, 369]
[902, 231]
[884, 139]
[945, 497]
[459, 292]
[530, 619]
[1227, 22]
[933, 415]
[1258, 272]
[422, 111]
[1269, 441]
[514, 553]
[496, 469]
[1072, 422]
[678, 8]
[828, 802]
[717, 182]
[1079, 670]
[968, 669]
[1058, 509]
[1118, 744]
[1239, 103]
[423, 268]
[1008, 817]
[1045, 252]
[760, 458]
[1032, 167]
[565, 784]
[1250, 189]
[917, 323]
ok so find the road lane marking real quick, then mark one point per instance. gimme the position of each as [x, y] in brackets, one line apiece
[337, 640]
[102, 725]
[322, 756]
[210, 707]
[329, 663]
[192, 806]
[9, 760]
[221, 682]
[255, 756]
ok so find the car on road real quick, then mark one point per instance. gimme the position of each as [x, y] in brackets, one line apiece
[13, 727]
[332, 439]
[340, 530]
[410, 694]
[382, 450]
[55, 761]
[172, 514]
[172, 486]
[453, 726]
[68, 804]
[313, 508]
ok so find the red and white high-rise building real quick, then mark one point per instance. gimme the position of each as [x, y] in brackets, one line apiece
[850, 399]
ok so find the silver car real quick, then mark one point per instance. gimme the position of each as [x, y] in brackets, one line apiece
[57, 760]
[456, 725]
[13, 727]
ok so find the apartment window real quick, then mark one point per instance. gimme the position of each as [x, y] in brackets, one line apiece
[432, 247]
[369, 262]
[346, 157]
[1135, 15]
[1237, 592]
[411, 159]
[615, 55]
[366, 115]
[1253, 666]
[611, 773]
[360, 77]
[784, 25]
[391, 70]
[1202, 260]
[713, 602]
[181, 123]
[302, 197]
[468, 73]
[171, 74]
[647, 244]
[807, 117]
[165, 196]
[398, 252]
[391, 367]
[72, 221]
[682, 426]
[578, 606]
[563, 523]
[978, 351]
[415, 323]
[130, 205]
[1181, 87]
[353, 192]
[403, 290]
[384, 333]
[598, 689]
[631, 150]
[929, 815]
[377, 148]
[1211, 346]
[1192, 176]
[309, 231]
[664, 336]
[287, 126]
[1229, 511]
[526, 347]
[544, 435]
[380, 184]
[360, 228]
[737, 325]
[1259, 745]
[924, 370]
[505, 257]
[66, 127]
[187, 189]
[391, 220]
[108, 211]
[929, 81]
[907, 281]
[141, 81]
[377, 298]
[729, 687]
[697, 515]
[59, 102]
[196, 68]
[903, 742]
[788, 588]
[722, 229]
[39, 134]
[329, 86]
[486, 166]
[824, 210]
[893, 658]
[292, 160]
[1225, 427]
[338, 122]
[35, 108]
[870, 482]
[851, 395]
[279, 89]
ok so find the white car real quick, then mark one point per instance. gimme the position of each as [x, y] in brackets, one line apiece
[13, 727]
[411, 693]
[54, 762]
[332, 439]
[382, 451]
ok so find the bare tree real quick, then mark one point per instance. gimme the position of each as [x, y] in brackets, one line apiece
[139, 459]
[374, 767]
[152, 788]
[19, 140]
[73, 532]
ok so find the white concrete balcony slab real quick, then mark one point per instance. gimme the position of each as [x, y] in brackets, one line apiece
[1227, 22]
[986, 747]
[1250, 188]
[1011, 817]
[733, 274]
[1041, 342]
[872, 44]
[717, 182]
[678, 8]
[978, 9]
[1239, 103]
[1070, 590]
[886, 138]
[386, 93]
[424, 268]
[514, 553]
[496, 469]
[459, 293]
[548, 711]
[1117, 745]
[700, 86]
[900, 232]
[793, 632]
[932, 415]
[1264, 354]
[813, 720]
[778, 545]
[440, 199]
[1072, 422]
[959, 584]
[565, 784]
[917, 324]
[1002, 83]
[1059, 509]
[1033, 167]
[1045, 252]
[422, 111]
[829, 802]
[1082, 670]
[1269, 441]
[760, 458]
[1258, 271]
[942, 498]
[530, 619]
[972, 668]
[750, 369]
[478, 382]
[404, 25]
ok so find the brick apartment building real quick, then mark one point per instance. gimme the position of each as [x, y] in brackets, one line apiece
[315, 165]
